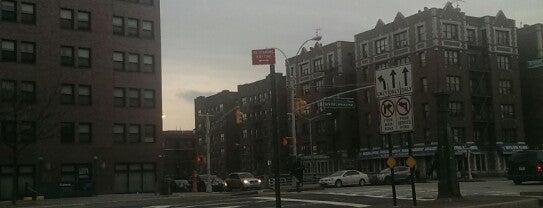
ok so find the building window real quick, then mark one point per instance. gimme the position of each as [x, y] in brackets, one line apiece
[471, 36]
[502, 38]
[426, 109]
[422, 59]
[368, 96]
[134, 133]
[118, 26]
[147, 29]
[133, 98]
[9, 12]
[450, 31]
[118, 97]
[66, 19]
[305, 69]
[368, 119]
[67, 94]
[67, 132]
[28, 13]
[83, 57]
[458, 135]
[319, 84]
[427, 136]
[424, 82]
[118, 61]
[456, 109]
[148, 64]
[28, 92]
[149, 133]
[508, 111]
[505, 86]
[306, 88]
[28, 52]
[472, 61]
[84, 131]
[451, 57]
[400, 40]
[84, 95]
[8, 51]
[402, 61]
[28, 131]
[380, 46]
[119, 135]
[364, 50]
[132, 27]
[317, 65]
[7, 90]
[83, 20]
[148, 98]
[453, 84]
[67, 56]
[133, 62]
[509, 135]
[382, 65]
[503, 62]
[421, 34]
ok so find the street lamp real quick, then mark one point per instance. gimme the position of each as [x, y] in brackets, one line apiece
[310, 120]
[292, 86]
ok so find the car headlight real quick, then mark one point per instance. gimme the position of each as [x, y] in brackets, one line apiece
[259, 181]
[245, 181]
[225, 184]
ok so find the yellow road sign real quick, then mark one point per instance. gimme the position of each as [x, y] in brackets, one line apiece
[391, 162]
[411, 162]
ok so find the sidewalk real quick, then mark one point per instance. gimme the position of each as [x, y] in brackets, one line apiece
[475, 202]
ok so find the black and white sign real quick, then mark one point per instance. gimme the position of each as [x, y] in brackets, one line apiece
[393, 81]
[396, 114]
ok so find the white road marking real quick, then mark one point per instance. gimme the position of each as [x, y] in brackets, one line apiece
[315, 201]
[160, 206]
[370, 195]
[225, 204]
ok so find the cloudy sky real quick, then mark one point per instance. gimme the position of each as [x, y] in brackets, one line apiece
[206, 44]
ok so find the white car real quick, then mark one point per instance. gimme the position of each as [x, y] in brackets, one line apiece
[345, 177]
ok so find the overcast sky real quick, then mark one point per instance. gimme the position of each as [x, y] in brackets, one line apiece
[206, 44]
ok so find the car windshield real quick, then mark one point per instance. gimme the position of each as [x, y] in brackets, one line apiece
[386, 170]
[246, 175]
[339, 173]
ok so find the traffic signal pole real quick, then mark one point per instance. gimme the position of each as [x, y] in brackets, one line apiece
[275, 138]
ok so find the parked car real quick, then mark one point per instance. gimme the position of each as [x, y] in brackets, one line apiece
[401, 174]
[345, 177]
[181, 185]
[242, 181]
[525, 166]
[217, 184]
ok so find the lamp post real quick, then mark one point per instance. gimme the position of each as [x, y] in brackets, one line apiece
[292, 83]
[310, 120]
[468, 152]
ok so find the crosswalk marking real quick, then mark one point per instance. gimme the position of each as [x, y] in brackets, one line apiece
[370, 195]
[315, 201]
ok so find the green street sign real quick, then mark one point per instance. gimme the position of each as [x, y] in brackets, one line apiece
[535, 63]
[339, 103]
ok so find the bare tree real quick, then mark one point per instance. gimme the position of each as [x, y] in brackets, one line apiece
[26, 120]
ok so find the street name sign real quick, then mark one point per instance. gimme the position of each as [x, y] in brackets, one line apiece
[263, 56]
[339, 103]
[393, 81]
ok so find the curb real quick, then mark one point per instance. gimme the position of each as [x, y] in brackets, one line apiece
[244, 193]
[523, 203]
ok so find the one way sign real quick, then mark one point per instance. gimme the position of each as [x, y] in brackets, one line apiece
[393, 82]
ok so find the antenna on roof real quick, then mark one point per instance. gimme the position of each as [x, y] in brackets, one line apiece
[317, 32]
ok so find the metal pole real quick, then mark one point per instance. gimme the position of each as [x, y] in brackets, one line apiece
[208, 141]
[389, 137]
[275, 137]
[312, 168]
[469, 163]
[413, 192]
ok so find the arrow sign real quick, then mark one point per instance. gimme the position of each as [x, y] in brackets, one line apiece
[405, 70]
[382, 82]
[393, 74]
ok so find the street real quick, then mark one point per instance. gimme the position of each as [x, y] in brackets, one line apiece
[489, 191]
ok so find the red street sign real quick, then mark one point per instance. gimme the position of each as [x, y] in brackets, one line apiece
[264, 56]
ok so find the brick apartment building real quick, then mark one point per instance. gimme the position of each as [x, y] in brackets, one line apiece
[224, 133]
[81, 91]
[256, 141]
[530, 41]
[179, 154]
[323, 71]
[474, 59]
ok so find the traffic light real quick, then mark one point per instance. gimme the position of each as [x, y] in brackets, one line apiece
[300, 106]
[239, 116]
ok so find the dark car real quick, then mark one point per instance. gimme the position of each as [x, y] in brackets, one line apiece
[525, 166]
[217, 184]
[401, 174]
[242, 181]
